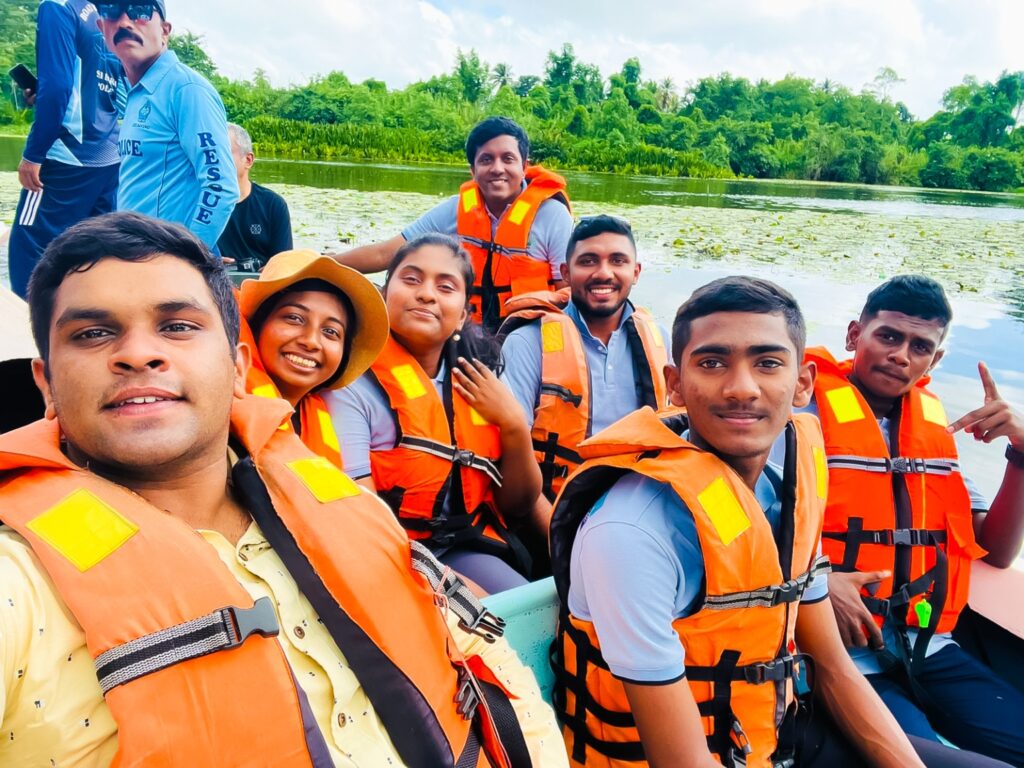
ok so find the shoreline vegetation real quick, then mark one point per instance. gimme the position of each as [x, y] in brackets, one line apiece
[720, 126]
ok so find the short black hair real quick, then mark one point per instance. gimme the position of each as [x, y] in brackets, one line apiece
[126, 236]
[739, 293]
[592, 226]
[491, 128]
[914, 295]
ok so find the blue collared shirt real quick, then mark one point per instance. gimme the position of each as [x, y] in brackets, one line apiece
[175, 153]
[637, 566]
[613, 379]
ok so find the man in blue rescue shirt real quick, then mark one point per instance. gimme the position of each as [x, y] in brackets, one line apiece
[175, 153]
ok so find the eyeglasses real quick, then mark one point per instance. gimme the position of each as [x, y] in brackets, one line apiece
[135, 12]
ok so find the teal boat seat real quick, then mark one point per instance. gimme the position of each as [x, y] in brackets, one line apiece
[530, 613]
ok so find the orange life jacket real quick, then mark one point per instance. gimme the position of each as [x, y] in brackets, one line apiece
[501, 260]
[563, 417]
[739, 648]
[140, 582]
[445, 450]
[906, 510]
[315, 426]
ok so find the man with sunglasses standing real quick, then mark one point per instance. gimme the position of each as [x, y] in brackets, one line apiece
[175, 152]
[69, 167]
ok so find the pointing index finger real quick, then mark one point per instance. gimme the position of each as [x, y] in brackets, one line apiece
[991, 393]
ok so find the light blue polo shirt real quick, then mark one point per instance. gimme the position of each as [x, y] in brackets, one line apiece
[613, 381]
[549, 235]
[175, 153]
[866, 659]
[637, 566]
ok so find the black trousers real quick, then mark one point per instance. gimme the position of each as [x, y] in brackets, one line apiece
[820, 744]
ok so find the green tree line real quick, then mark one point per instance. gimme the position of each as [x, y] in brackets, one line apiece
[577, 118]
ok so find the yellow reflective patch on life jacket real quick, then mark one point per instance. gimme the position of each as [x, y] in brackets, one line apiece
[551, 336]
[469, 200]
[932, 410]
[83, 528]
[407, 379]
[659, 342]
[325, 481]
[327, 433]
[725, 511]
[518, 212]
[266, 390]
[821, 472]
[845, 405]
[476, 419]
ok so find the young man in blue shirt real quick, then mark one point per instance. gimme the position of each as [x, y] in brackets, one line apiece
[175, 152]
[69, 168]
[649, 639]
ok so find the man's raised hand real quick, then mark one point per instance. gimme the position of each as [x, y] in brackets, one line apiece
[993, 419]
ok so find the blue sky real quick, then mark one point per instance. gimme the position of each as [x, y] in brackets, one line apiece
[931, 44]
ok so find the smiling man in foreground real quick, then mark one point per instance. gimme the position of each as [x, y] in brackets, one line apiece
[184, 583]
[689, 567]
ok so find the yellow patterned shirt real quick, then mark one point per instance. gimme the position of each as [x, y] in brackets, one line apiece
[52, 712]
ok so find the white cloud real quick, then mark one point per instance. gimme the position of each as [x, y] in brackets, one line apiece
[930, 43]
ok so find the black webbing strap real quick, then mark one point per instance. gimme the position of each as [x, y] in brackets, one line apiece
[448, 587]
[562, 393]
[551, 469]
[576, 721]
[726, 733]
[644, 379]
[775, 671]
[453, 454]
[901, 597]
[407, 716]
[220, 630]
[506, 724]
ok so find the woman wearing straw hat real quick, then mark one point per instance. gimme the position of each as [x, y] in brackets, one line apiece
[316, 325]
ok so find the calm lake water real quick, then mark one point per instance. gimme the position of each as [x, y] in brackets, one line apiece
[829, 244]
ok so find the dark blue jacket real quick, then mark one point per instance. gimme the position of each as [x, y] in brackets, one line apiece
[76, 112]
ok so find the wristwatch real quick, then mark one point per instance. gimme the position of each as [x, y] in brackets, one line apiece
[1014, 456]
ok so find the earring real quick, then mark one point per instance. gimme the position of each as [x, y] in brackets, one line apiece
[457, 337]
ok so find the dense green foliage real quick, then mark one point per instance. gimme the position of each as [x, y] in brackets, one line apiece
[17, 46]
[720, 126]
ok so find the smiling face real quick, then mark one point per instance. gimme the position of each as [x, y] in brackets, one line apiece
[302, 341]
[499, 170]
[892, 351]
[601, 271]
[137, 44]
[739, 377]
[140, 377]
[426, 298]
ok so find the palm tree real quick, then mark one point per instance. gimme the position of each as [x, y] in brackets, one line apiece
[501, 75]
[665, 95]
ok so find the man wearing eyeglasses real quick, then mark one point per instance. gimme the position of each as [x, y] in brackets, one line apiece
[175, 152]
[68, 170]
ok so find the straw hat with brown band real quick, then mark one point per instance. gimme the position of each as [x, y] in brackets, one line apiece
[371, 316]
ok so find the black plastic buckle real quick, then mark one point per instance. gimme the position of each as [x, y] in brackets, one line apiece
[756, 674]
[465, 458]
[787, 593]
[877, 606]
[260, 619]
[469, 695]
[904, 465]
[485, 625]
[909, 537]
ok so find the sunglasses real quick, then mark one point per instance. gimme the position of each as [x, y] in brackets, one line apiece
[135, 12]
